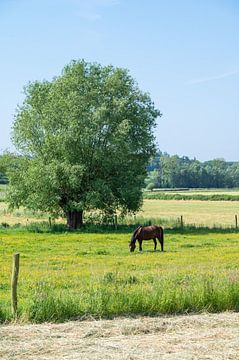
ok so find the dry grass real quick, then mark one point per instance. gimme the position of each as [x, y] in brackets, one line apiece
[20, 216]
[206, 213]
[206, 336]
[194, 212]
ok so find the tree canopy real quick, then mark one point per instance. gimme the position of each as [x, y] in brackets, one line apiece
[85, 139]
[165, 171]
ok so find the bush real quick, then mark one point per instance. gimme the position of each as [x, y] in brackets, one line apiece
[150, 186]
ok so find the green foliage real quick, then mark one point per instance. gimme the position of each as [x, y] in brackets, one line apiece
[152, 180]
[3, 170]
[3, 188]
[150, 186]
[174, 172]
[86, 138]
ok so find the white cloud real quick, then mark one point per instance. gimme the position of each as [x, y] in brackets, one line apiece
[213, 78]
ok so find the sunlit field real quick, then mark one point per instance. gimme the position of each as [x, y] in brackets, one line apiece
[19, 216]
[65, 275]
[220, 214]
[194, 212]
[69, 275]
[167, 212]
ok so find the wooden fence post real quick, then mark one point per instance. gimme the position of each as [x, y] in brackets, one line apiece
[15, 271]
[181, 221]
[236, 220]
[116, 221]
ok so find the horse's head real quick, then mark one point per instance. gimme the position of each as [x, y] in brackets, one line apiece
[132, 245]
[134, 237]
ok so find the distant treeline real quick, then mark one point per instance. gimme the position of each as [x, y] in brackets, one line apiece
[167, 171]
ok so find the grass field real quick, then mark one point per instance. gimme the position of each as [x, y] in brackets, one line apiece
[19, 216]
[220, 214]
[71, 275]
[194, 212]
[68, 275]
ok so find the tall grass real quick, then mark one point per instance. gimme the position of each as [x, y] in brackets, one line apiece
[123, 296]
[127, 223]
[172, 226]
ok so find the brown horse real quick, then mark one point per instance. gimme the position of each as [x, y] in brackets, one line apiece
[146, 233]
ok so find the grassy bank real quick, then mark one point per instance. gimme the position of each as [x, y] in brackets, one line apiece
[70, 275]
[192, 195]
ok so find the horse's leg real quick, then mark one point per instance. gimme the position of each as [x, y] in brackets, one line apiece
[140, 245]
[161, 243]
[155, 244]
[161, 237]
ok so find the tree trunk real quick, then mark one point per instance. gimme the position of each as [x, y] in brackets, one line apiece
[74, 219]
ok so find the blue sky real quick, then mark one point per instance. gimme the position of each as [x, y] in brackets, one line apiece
[185, 53]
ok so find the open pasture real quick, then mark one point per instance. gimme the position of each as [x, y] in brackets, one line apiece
[19, 216]
[72, 275]
[220, 214]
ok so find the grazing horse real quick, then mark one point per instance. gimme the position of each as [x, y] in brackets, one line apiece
[146, 233]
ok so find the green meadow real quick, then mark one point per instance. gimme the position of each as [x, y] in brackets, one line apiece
[74, 275]
[67, 275]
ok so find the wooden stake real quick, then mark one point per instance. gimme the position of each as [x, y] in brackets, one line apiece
[236, 220]
[181, 221]
[15, 271]
[116, 221]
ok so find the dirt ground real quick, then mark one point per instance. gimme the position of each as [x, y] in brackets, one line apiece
[206, 336]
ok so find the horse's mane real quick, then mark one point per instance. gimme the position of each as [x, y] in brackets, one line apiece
[135, 232]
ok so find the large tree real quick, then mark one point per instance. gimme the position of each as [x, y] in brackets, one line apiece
[85, 139]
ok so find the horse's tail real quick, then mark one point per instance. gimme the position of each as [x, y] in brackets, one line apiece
[135, 232]
[161, 233]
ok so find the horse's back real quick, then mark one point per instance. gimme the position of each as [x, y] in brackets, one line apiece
[151, 232]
